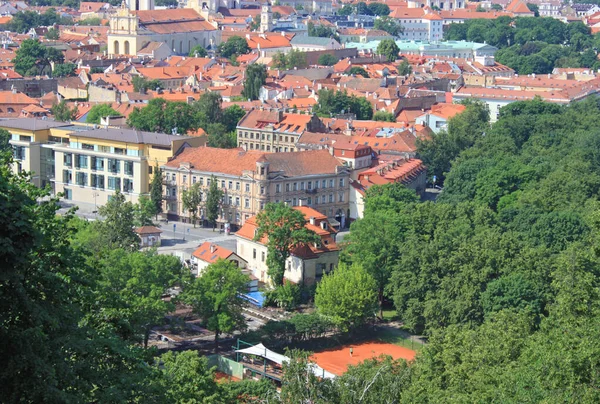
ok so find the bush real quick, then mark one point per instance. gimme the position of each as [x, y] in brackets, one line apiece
[286, 297]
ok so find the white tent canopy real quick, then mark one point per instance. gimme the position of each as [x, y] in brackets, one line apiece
[264, 352]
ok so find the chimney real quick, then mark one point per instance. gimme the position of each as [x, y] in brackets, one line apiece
[212, 248]
[312, 220]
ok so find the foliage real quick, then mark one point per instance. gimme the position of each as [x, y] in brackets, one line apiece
[294, 58]
[285, 229]
[164, 117]
[346, 10]
[99, 111]
[117, 226]
[5, 137]
[215, 297]
[144, 210]
[337, 102]
[286, 296]
[384, 116]
[321, 31]
[348, 296]
[231, 116]
[191, 200]
[34, 58]
[213, 201]
[389, 49]
[23, 21]
[404, 68]
[358, 70]
[389, 25]
[299, 384]
[141, 84]
[247, 391]
[156, 190]
[198, 51]
[208, 109]
[52, 34]
[62, 112]
[379, 9]
[256, 76]
[327, 60]
[64, 70]
[363, 9]
[91, 21]
[219, 137]
[534, 8]
[235, 45]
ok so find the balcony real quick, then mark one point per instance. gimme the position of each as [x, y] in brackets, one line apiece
[169, 182]
[311, 191]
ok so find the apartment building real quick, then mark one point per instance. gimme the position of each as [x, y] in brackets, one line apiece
[274, 130]
[88, 164]
[251, 179]
[307, 263]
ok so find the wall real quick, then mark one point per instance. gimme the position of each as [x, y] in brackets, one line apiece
[101, 94]
[31, 87]
[226, 365]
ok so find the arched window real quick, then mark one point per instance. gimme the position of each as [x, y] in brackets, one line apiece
[126, 48]
[117, 48]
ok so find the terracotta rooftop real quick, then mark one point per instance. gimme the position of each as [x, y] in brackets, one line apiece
[204, 253]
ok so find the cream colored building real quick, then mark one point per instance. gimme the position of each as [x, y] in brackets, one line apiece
[135, 26]
[88, 164]
[249, 180]
[306, 265]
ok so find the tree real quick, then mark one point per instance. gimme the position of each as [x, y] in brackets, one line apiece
[404, 68]
[187, 378]
[327, 60]
[92, 21]
[346, 10]
[5, 137]
[496, 7]
[390, 26]
[256, 76]
[144, 210]
[358, 70]
[130, 291]
[337, 102]
[231, 116]
[52, 34]
[389, 49]
[285, 229]
[64, 70]
[141, 84]
[363, 9]
[34, 58]
[198, 51]
[156, 190]
[348, 296]
[216, 298]
[164, 116]
[384, 116]
[191, 199]
[379, 9]
[235, 45]
[294, 59]
[117, 226]
[534, 8]
[99, 111]
[219, 137]
[63, 113]
[208, 109]
[299, 384]
[213, 201]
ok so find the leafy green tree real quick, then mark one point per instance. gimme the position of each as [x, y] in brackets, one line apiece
[34, 58]
[256, 76]
[231, 116]
[379, 9]
[384, 116]
[215, 297]
[198, 51]
[390, 26]
[299, 384]
[404, 68]
[219, 137]
[156, 190]
[534, 8]
[497, 7]
[5, 137]
[187, 378]
[117, 226]
[141, 84]
[346, 10]
[92, 21]
[164, 117]
[130, 291]
[208, 109]
[363, 9]
[235, 45]
[144, 210]
[389, 49]
[321, 31]
[348, 296]
[99, 111]
[52, 34]
[23, 21]
[337, 102]
[64, 70]
[63, 113]
[294, 58]
[285, 229]
[213, 201]
[358, 70]
[191, 199]
[327, 60]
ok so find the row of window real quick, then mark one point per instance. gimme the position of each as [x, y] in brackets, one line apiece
[295, 186]
[97, 181]
[323, 198]
[19, 152]
[252, 146]
[97, 163]
[282, 138]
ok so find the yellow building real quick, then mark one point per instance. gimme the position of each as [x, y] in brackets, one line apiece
[88, 163]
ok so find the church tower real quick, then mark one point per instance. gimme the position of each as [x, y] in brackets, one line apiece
[266, 18]
[136, 5]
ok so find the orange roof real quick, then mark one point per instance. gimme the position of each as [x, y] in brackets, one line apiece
[5, 20]
[147, 230]
[165, 73]
[211, 253]
[8, 97]
[172, 21]
[398, 171]
[447, 111]
[266, 41]
[518, 7]
[466, 14]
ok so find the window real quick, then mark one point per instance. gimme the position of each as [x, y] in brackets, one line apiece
[19, 152]
[237, 201]
[81, 161]
[341, 182]
[128, 168]
[114, 166]
[207, 181]
[67, 176]
[262, 190]
[302, 186]
[330, 198]
[295, 186]
[262, 205]
[223, 184]
[98, 163]
[341, 197]
[119, 150]
[237, 186]
[194, 179]
[114, 183]
[331, 183]
[309, 201]
[262, 256]
[309, 185]
[247, 203]
[277, 188]
[247, 187]
[149, 169]
[254, 253]
[316, 200]
[87, 146]
[68, 194]
[324, 184]
[68, 159]
[323, 199]
[184, 180]
[127, 185]
[230, 185]
[81, 179]
[294, 202]
[287, 187]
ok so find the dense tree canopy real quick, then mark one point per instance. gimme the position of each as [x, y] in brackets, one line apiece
[338, 102]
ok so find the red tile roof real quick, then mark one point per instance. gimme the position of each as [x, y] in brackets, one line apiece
[204, 253]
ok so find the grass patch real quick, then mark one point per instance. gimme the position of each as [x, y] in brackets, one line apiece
[390, 315]
[398, 337]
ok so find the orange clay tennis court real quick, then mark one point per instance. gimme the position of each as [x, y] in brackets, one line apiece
[337, 360]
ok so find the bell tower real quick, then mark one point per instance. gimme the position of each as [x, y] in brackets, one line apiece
[266, 19]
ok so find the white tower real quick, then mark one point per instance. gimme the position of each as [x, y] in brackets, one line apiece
[266, 18]
[136, 5]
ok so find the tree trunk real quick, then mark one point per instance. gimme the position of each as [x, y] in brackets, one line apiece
[381, 303]
[216, 341]
[146, 336]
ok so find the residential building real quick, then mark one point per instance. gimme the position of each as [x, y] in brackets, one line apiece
[307, 43]
[307, 264]
[149, 236]
[437, 118]
[420, 24]
[274, 130]
[208, 253]
[89, 164]
[250, 179]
